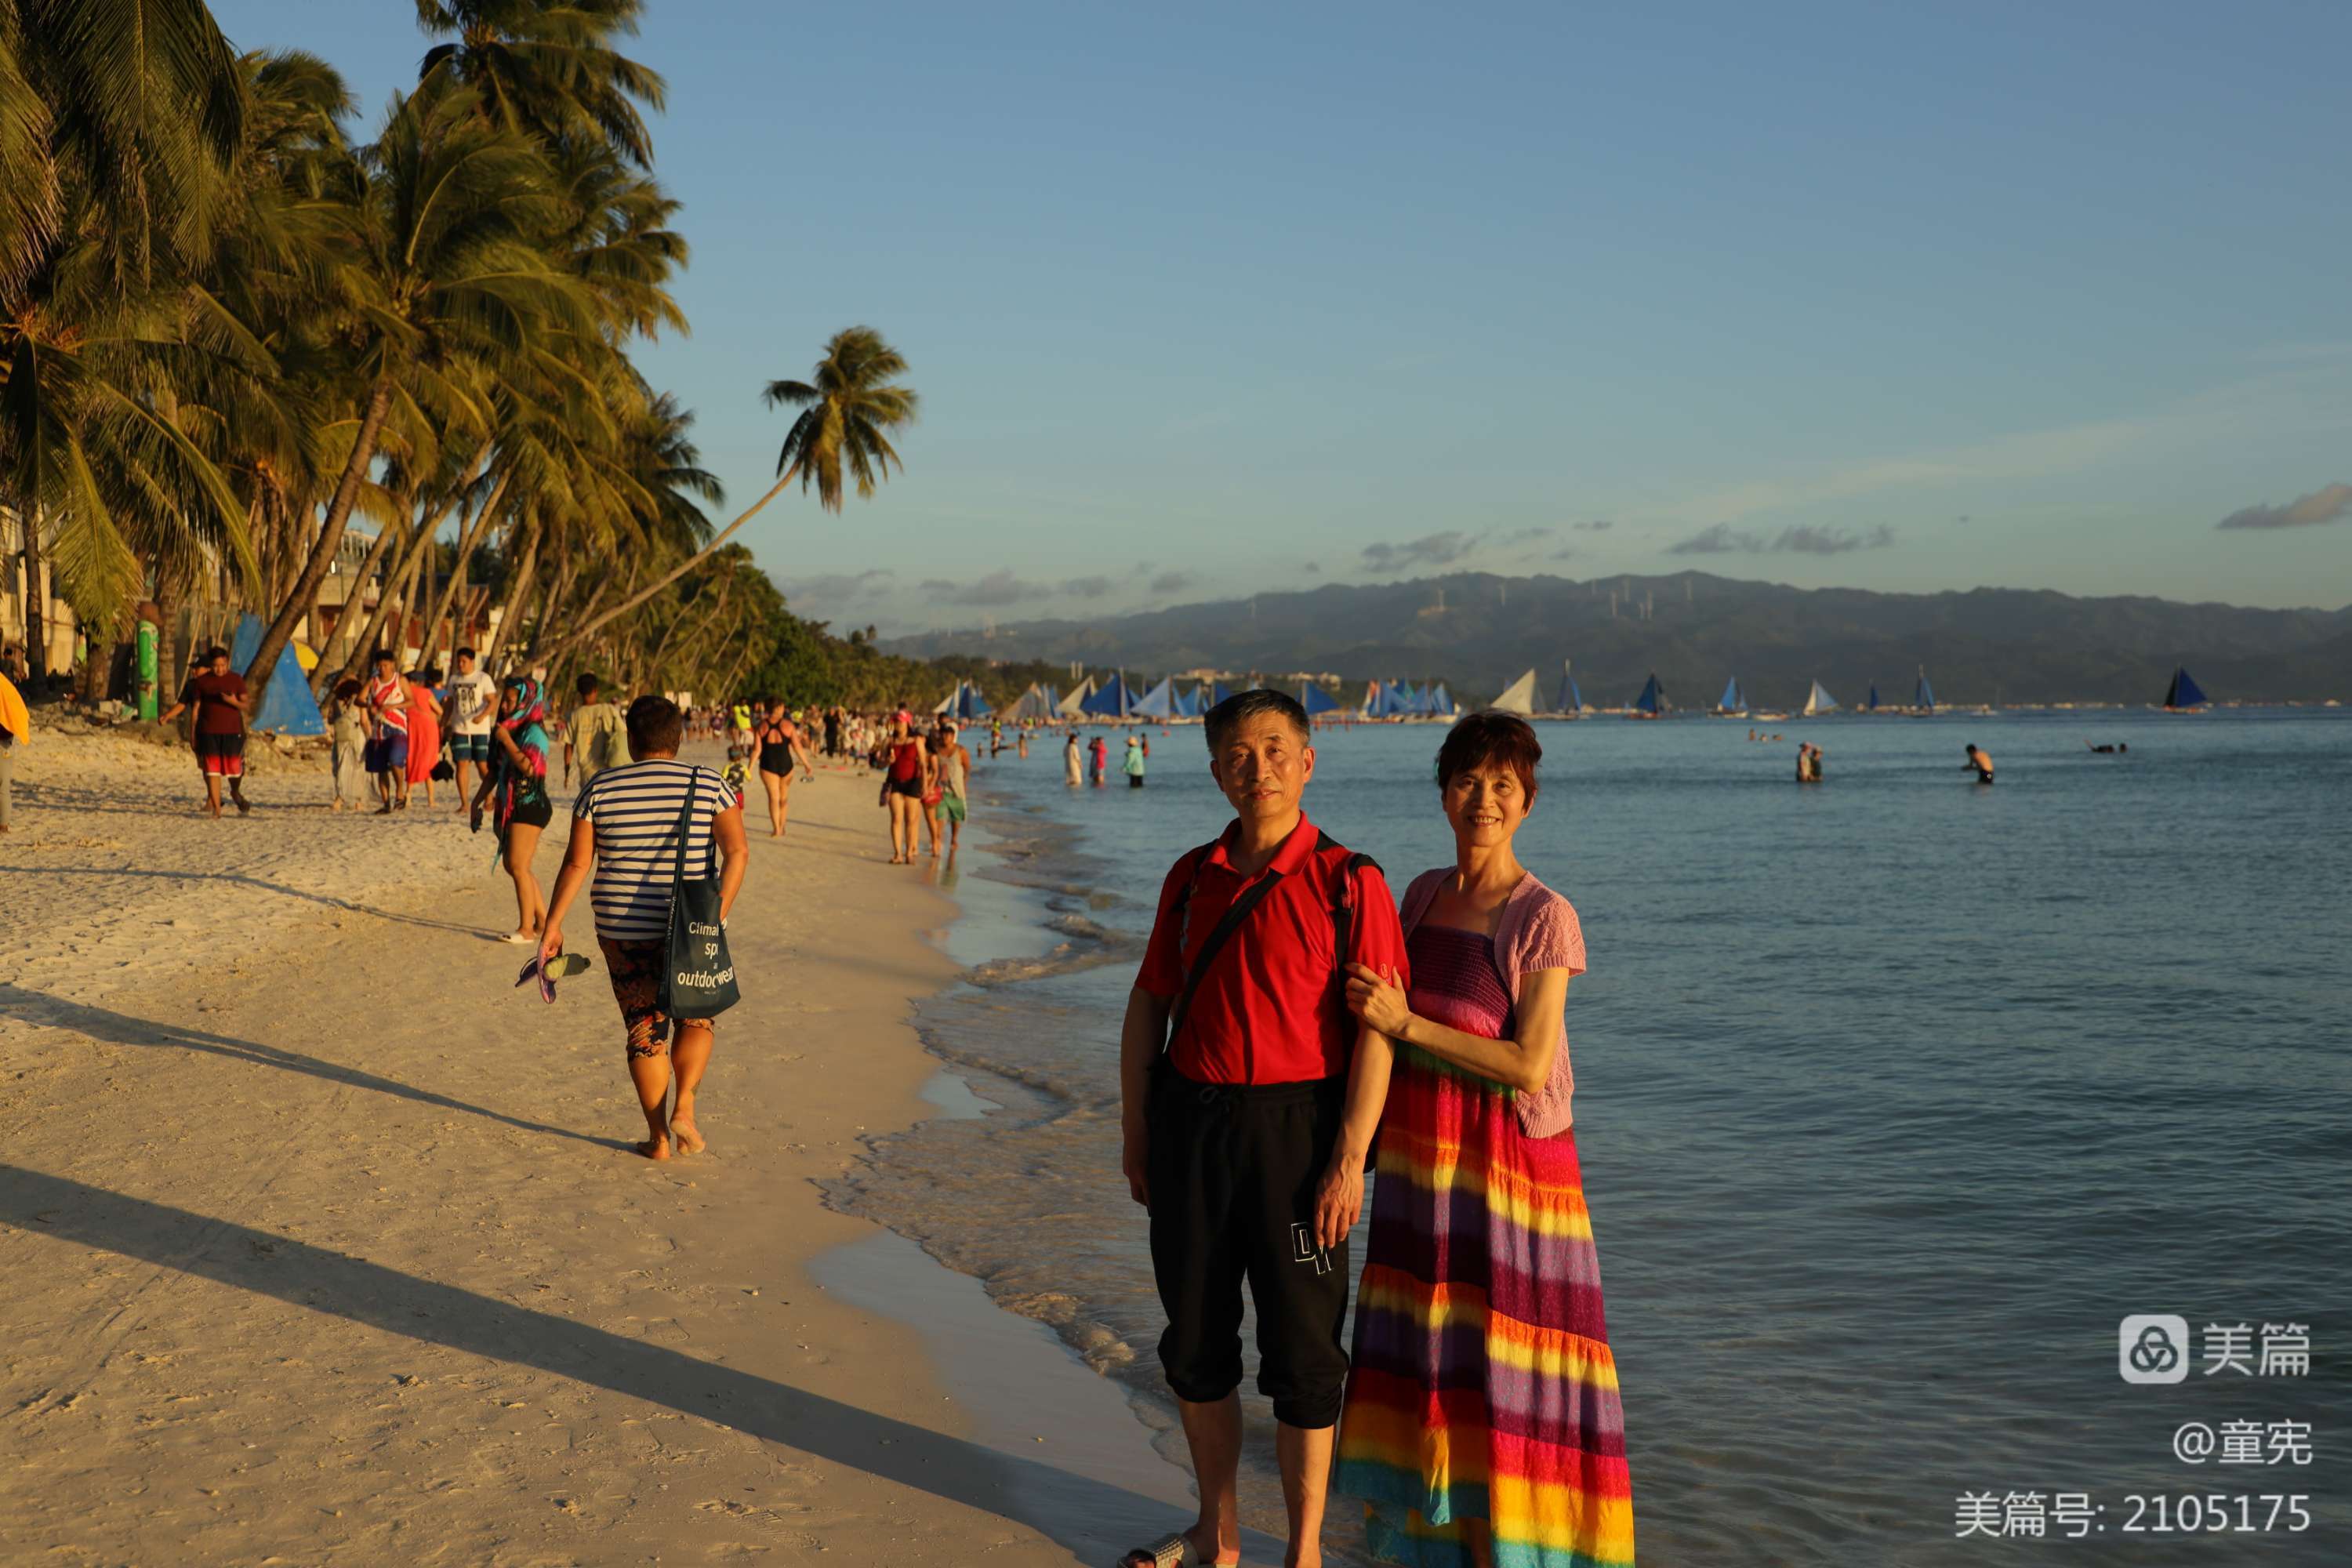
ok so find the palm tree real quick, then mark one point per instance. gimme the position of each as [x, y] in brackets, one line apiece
[848, 408]
[546, 67]
[446, 284]
[116, 118]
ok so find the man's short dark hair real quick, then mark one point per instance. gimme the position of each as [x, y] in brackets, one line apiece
[1244, 706]
[382, 655]
[1491, 740]
[465, 653]
[214, 652]
[587, 686]
[654, 725]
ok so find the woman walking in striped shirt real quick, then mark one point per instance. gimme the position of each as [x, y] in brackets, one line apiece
[624, 836]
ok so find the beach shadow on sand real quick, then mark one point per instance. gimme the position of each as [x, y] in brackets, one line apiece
[1071, 1508]
[345, 905]
[122, 1029]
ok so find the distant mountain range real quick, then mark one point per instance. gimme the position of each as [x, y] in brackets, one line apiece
[1478, 632]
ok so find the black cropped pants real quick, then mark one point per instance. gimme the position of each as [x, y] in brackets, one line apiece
[1233, 1170]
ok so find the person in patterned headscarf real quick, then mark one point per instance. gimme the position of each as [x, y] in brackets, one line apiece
[515, 793]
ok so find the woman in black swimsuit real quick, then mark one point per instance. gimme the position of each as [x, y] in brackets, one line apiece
[780, 749]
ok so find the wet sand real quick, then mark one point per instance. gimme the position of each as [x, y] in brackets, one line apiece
[324, 1243]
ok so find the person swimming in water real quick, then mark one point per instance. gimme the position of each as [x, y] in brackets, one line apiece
[2105, 751]
[1981, 761]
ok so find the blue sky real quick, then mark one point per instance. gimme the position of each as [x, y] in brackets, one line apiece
[1205, 297]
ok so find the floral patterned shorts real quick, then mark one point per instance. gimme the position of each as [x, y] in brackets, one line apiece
[636, 970]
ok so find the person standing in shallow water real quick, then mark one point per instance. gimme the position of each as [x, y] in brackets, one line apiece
[624, 846]
[1981, 761]
[1233, 1070]
[1494, 1435]
[1073, 768]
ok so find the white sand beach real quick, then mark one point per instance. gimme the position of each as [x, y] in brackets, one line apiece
[323, 1243]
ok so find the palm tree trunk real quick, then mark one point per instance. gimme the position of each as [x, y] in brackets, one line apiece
[557, 587]
[691, 561]
[467, 539]
[420, 557]
[327, 668]
[395, 587]
[37, 598]
[298, 603]
[524, 572]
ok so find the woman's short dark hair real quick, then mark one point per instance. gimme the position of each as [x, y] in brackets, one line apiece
[654, 724]
[1244, 706]
[346, 689]
[1489, 740]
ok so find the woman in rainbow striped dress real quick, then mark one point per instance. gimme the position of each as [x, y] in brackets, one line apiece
[1482, 1423]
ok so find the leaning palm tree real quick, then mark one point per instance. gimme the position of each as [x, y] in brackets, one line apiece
[849, 407]
[446, 280]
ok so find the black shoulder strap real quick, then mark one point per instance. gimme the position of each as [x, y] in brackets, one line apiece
[1343, 911]
[1343, 923]
[1234, 916]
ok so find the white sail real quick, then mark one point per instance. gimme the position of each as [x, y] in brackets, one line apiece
[1073, 705]
[1519, 697]
[1819, 701]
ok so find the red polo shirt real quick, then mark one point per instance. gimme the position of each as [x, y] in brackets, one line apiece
[1273, 1007]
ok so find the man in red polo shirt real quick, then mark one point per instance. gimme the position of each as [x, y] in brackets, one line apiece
[1234, 1070]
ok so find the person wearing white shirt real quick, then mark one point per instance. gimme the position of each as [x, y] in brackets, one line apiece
[472, 708]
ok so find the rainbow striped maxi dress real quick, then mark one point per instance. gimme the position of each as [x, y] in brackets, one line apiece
[1481, 1422]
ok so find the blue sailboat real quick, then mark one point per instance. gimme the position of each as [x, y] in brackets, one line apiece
[1571, 700]
[1652, 703]
[1113, 699]
[1872, 706]
[1160, 702]
[1315, 699]
[1924, 697]
[2183, 694]
[1731, 704]
[1441, 702]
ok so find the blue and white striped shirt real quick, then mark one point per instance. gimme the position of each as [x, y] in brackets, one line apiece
[635, 809]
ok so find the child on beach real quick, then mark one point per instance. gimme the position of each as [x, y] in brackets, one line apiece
[347, 719]
[737, 773]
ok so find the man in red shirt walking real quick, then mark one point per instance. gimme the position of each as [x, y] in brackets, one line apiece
[217, 694]
[1232, 1072]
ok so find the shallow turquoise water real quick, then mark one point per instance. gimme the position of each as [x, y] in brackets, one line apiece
[1893, 1094]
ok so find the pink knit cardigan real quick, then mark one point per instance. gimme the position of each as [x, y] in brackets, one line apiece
[1538, 931]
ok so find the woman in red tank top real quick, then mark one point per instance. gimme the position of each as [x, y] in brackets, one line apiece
[902, 790]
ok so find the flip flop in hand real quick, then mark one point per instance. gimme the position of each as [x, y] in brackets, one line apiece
[558, 966]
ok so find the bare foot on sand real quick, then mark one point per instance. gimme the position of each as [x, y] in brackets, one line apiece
[654, 1148]
[689, 1139]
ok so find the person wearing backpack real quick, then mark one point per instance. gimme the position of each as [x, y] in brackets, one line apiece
[596, 738]
[1234, 1064]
